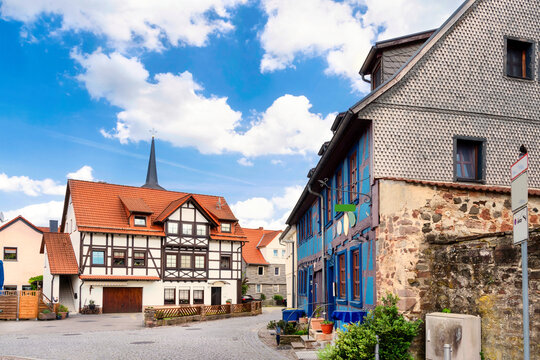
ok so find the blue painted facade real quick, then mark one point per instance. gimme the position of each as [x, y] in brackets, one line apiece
[341, 241]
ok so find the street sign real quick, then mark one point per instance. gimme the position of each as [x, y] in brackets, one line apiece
[520, 191]
[520, 166]
[344, 207]
[521, 225]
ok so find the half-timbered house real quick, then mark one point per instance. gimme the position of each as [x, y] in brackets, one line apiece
[138, 246]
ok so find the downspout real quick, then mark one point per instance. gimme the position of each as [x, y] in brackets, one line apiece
[52, 289]
[80, 295]
[364, 78]
[321, 221]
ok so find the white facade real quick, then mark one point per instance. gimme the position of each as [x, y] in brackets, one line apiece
[290, 267]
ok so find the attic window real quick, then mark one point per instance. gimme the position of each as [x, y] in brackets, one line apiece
[226, 227]
[519, 59]
[139, 221]
[376, 76]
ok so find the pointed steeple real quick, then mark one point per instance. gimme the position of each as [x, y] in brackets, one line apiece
[151, 175]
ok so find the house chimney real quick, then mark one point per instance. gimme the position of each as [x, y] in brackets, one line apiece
[260, 228]
[53, 225]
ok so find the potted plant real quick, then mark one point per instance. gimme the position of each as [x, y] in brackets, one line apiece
[316, 320]
[228, 301]
[62, 312]
[303, 320]
[46, 315]
[278, 299]
[91, 305]
[327, 326]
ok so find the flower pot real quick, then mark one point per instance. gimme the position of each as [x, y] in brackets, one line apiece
[303, 320]
[316, 323]
[327, 328]
[92, 306]
[63, 315]
[49, 316]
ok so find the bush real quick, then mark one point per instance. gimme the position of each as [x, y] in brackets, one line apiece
[62, 308]
[46, 311]
[301, 332]
[394, 331]
[278, 297]
[263, 297]
[271, 325]
[36, 282]
[287, 328]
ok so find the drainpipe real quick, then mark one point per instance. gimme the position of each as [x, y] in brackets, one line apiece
[80, 295]
[323, 251]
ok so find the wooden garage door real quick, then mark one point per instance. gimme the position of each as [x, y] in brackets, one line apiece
[122, 299]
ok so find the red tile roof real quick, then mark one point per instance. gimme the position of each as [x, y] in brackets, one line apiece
[250, 252]
[462, 186]
[118, 277]
[44, 229]
[60, 253]
[135, 205]
[20, 218]
[100, 207]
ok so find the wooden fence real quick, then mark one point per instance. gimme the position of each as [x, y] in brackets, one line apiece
[23, 304]
[154, 315]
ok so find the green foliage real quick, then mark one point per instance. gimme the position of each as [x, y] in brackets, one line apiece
[327, 322]
[287, 328]
[263, 297]
[301, 332]
[271, 324]
[482, 356]
[446, 310]
[278, 297]
[91, 302]
[62, 308]
[35, 281]
[245, 286]
[358, 342]
[46, 311]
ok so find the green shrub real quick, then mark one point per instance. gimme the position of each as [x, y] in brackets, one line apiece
[62, 308]
[46, 311]
[271, 324]
[287, 328]
[36, 281]
[278, 297]
[446, 310]
[358, 342]
[301, 332]
[263, 297]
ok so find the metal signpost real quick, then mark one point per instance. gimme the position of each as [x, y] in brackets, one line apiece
[520, 192]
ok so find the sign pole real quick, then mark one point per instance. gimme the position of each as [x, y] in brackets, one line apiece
[519, 177]
[525, 288]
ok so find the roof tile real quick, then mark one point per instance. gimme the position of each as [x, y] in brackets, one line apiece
[60, 253]
[250, 252]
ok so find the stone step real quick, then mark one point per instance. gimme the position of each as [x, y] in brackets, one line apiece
[310, 342]
[306, 355]
[297, 345]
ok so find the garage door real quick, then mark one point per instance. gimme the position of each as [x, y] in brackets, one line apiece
[122, 299]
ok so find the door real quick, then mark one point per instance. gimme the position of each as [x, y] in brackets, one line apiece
[122, 299]
[330, 290]
[215, 295]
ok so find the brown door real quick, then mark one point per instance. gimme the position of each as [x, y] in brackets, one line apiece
[122, 300]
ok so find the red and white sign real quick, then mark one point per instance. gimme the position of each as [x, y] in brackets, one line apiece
[520, 166]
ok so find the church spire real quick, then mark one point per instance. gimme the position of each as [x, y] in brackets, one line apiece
[151, 175]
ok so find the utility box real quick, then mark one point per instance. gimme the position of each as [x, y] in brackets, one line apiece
[462, 332]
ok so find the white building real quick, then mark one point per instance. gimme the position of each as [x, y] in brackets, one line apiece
[139, 246]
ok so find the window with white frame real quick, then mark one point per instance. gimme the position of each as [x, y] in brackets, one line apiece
[139, 221]
[170, 296]
[187, 229]
[258, 286]
[198, 296]
[226, 227]
[275, 253]
[185, 261]
[199, 261]
[172, 227]
[171, 261]
[201, 230]
[183, 296]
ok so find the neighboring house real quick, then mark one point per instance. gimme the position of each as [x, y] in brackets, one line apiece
[425, 157]
[19, 243]
[264, 263]
[137, 246]
[288, 238]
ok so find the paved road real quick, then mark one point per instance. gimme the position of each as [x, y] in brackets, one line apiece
[234, 338]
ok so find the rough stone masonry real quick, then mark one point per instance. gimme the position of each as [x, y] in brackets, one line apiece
[441, 247]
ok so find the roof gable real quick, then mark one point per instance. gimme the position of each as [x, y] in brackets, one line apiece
[177, 204]
[28, 223]
[256, 239]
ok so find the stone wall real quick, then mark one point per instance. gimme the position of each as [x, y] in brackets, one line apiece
[440, 247]
[267, 280]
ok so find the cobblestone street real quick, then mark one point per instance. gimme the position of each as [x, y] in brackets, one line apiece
[234, 338]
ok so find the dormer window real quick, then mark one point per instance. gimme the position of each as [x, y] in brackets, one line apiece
[139, 220]
[376, 76]
[226, 227]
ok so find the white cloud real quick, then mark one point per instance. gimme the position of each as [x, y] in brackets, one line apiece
[38, 214]
[245, 162]
[84, 173]
[276, 162]
[341, 32]
[128, 23]
[175, 106]
[47, 186]
[268, 213]
[29, 186]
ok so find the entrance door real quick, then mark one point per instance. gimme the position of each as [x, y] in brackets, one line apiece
[122, 299]
[215, 295]
[330, 290]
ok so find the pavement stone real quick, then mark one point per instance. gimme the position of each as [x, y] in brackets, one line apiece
[234, 338]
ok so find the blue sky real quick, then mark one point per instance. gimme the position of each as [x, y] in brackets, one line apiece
[241, 94]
